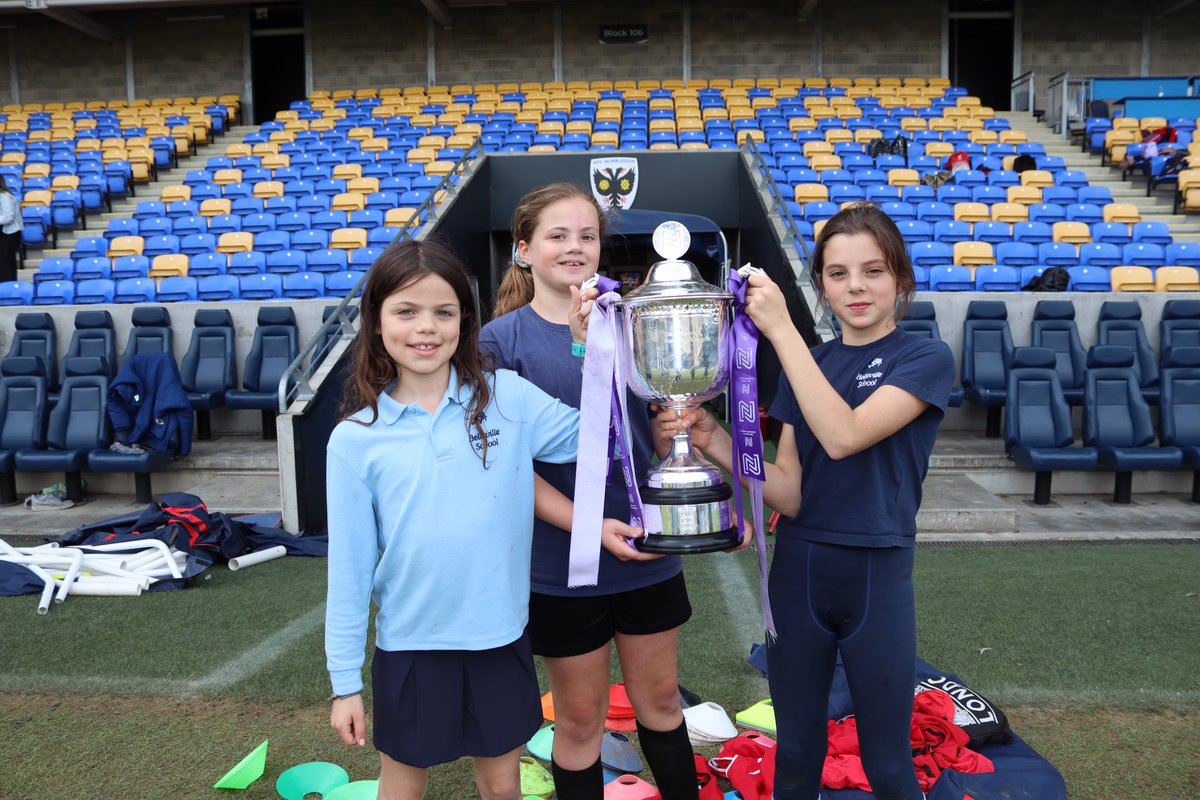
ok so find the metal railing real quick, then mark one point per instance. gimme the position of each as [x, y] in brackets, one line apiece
[797, 242]
[296, 381]
[1067, 102]
[1021, 93]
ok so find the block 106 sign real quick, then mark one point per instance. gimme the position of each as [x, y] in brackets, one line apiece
[625, 34]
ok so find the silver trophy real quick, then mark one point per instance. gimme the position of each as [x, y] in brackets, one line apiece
[675, 329]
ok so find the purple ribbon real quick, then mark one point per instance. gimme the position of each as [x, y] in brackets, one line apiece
[742, 352]
[602, 429]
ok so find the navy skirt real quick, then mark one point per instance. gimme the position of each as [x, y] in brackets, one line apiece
[435, 706]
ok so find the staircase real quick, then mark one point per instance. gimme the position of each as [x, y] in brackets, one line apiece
[125, 206]
[1155, 208]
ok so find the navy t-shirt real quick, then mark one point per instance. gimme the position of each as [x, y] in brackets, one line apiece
[540, 352]
[869, 499]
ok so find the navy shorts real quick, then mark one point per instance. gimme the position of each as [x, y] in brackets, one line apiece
[435, 706]
[561, 626]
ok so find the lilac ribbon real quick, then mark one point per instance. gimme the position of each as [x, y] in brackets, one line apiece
[742, 352]
[602, 431]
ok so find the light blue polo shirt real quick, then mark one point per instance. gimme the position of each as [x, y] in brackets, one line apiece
[417, 525]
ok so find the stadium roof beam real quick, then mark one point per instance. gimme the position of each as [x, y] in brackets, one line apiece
[81, 22]
[439, 11]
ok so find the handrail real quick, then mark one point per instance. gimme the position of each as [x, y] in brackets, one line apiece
[798, 244]
[294, 383]
[1027, 79]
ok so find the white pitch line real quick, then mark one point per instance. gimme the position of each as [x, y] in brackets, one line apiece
[740, 599]
[241, 666]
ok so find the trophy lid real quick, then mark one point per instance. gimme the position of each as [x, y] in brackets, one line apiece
[673, 277]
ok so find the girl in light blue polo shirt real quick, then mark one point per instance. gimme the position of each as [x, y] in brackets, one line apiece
[430, 498]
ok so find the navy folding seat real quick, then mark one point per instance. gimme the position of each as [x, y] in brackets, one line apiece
[1120, 323]
[209, 368]
[986, 351]
[36, 337]
[1179, 326]
[23, 409]
[217, 288]
[151, 333]
[77, 425]
[1117, 422]
[1054, 327]
[1179, 412]
[1038, 432]
[275, 346]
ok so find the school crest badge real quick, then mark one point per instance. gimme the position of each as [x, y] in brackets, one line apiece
[614, 181]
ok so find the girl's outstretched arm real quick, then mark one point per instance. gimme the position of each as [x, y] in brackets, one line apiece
[841, 430]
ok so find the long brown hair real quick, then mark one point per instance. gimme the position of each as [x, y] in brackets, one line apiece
[516, 289]
[372, 370]
[869, 219]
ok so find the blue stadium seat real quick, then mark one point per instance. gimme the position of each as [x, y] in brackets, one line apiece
[23, 409]
[135, 290]
[986, 351]
[935, 211]
[1093, 278]
[54, 293]
[996, 278]
[1111, 233]
[1142, 254]
[328, 261]
[1016, 254]
[95, 292]
[209, 368]
[950, 231]
[1179, 413]
[1099, 254]
[1182, 254]
[76, 426]
[1120, 323]
[16, 293]
[1117, 422]
[931, 254]
[90, 269]
[1032, 232]
[1054, 327]
[339, 284]
[309, 240]
[950, 278]
[304, 285]
[125, 267]
[216, 288]
[55, 269]
[275, 346]
[1047, 212]
[1151, 233]
[993, 233]
[177, 289]
[202, 265]
[1038, 432]
[1057, 254]
[914, 230]
[265, 286]
[362, 258]
[1086, 213]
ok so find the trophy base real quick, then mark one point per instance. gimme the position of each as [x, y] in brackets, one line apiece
[691, 544]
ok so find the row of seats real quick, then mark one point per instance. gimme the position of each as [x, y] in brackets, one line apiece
[205, 264]
[237, 241]
[1084, 214]
[297, 285]
[1096, 237]
[1061, 252]
[243, 218]
[1001, 278]
[54, 420]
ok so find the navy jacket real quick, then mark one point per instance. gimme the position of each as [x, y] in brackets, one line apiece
[147, 404]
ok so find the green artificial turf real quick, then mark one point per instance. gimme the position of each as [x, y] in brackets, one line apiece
[1090, 649]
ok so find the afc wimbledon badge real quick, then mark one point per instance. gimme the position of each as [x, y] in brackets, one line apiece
[614, 181]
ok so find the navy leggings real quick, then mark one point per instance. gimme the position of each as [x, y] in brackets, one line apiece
[858, 601]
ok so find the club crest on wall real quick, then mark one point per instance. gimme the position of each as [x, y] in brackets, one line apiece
[614, 181]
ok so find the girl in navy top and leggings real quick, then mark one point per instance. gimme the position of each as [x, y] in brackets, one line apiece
[860, 416]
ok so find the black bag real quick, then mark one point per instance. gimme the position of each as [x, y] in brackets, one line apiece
[1024, 162]
[896, 147]
[1053, 279]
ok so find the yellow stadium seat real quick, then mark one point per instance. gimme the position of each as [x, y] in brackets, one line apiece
[223, 177]
[172, 193]
[1037, 177]
[1177, 279]
[973, 254]
[903, 177]
[1010, 212]
[810, 192]
[265, 189]
[1072, 232]
[817, 148]
[823, 161]
[1025, 195]
[1132, 279]
[126, 246]
[346, 172]
[399, 217]
[972, 212]
[235, 242]
[215, 207]
[168, 266]
[939, 150]
[347, 239]
[1122, 212]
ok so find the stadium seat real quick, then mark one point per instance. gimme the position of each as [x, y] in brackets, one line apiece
[16, 293]
[201, 265]
[36, 337]
[950, 278]
[996, 278]
[275, 346]
[1054, 327]
[177, 289]
[218, 288]
[986, 351]
[304, 285]
[1182, 254]
[209, 368]
[264, 286]
[1091, 278]
[1038, 431]
[1179, 413]
[150, 333]
[93, 337]
[1016, 254]
[23, 409]
[1057, 254]
[76, 426]
[1142, 254]
[973, 253]
[1132, 279]
[1032, 232]
[1117, 420]
[1120, 323]
[339, 284]
[1179, 326]
[1099, 254]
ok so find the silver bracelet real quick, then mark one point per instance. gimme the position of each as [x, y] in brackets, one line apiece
[336, 696]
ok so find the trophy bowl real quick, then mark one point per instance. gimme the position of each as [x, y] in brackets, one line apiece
[675, 329]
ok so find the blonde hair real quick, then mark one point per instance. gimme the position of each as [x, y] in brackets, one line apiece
[516, 289]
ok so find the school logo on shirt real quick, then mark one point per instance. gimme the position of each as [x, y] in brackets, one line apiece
[869, 377]
[493, 435]
[614, 181]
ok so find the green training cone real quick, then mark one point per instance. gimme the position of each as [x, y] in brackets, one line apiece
[315, 777]
[358, 790]
[248, 770]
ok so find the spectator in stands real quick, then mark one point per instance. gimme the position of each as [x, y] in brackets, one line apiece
[862, 420]
[640, 600]
[10, 232]
[431, 518]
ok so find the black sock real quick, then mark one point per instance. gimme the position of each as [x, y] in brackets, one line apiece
[669, 756]
[578, 784]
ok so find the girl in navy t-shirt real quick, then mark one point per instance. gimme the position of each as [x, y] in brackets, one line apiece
[860, 416]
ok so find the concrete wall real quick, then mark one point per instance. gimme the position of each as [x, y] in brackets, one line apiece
[361, 44]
